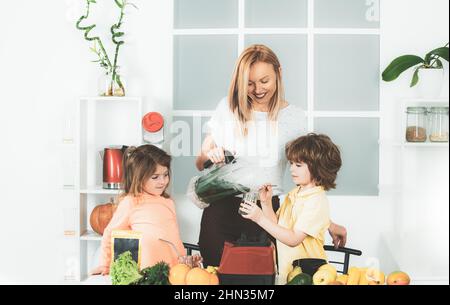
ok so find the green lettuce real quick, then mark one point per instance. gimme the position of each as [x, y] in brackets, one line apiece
[124, 270]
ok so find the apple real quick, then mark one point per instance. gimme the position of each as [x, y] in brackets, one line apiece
[330, 268]
[296, 271]
[398, 278]
[323, 277]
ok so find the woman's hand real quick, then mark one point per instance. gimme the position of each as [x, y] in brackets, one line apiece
[102, 270]
[265, 194]
[339, 235]
[250, 210]
[216, 155]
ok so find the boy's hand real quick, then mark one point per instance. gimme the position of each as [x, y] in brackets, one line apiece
[339, 235]
[265, 193]
[251, 211]
[103, 270]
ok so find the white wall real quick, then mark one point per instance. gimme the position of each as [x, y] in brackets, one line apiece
[45, 65]
[421, 219]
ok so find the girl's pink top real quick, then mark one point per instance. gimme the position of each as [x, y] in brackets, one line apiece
[153, 216]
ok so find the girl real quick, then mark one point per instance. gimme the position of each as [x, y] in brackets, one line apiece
[145, 206]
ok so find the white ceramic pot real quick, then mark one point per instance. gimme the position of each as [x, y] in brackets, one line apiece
[430, 83]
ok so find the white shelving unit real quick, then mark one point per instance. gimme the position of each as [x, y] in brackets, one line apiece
[100, 122]
[402, 242]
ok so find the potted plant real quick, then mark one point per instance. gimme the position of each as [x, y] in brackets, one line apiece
[112, 83]
[429, 69]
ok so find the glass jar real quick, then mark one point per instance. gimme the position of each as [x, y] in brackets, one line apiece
[438, 124]
[250, 197]
[107, 86]
[416, 130]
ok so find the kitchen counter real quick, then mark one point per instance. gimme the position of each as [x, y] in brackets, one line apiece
[98, 280]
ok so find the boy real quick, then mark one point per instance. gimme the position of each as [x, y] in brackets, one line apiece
[303, 218]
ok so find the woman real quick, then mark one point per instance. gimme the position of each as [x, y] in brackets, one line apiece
[254, 122]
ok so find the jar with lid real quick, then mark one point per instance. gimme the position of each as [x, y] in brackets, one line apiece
[438, 124]
[416, 121]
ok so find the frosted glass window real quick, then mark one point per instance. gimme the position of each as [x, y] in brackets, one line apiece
[187, 135]
[205, 14]
[276, 13]
[288, 184]
[203, 66]
[357, 139]
[346, 72]
[347, 13]
[292, 53]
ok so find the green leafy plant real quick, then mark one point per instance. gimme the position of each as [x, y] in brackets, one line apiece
[124, 270]
[432, 60]
[98, 48]
[155, 275]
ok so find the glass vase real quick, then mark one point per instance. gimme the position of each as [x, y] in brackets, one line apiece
[111, 84]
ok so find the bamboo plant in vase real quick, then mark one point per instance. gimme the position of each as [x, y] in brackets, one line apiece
[111, 83]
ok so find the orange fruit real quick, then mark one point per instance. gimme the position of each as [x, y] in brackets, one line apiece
[213, 279]
[177, 274]
[198, 276]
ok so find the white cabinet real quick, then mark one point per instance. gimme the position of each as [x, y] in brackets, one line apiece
[100, 122]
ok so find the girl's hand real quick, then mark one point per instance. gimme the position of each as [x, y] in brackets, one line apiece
[265, 194]
[102, 270]
[197, 260]
[251, 211]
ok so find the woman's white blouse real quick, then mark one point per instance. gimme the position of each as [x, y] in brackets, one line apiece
[264, 146]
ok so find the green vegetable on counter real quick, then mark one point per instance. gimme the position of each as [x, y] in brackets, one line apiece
[124, 270]
[155, 275]
[301, 279]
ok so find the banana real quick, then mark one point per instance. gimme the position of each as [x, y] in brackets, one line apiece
[343, 278]
[353, 276]
[212, 269]
[363, 280]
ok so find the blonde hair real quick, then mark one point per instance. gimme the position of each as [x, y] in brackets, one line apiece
[139, 164]
[238, 100]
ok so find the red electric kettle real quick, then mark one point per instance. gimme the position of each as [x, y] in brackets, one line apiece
[112, 167]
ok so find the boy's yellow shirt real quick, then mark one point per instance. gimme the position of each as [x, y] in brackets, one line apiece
[306, 211]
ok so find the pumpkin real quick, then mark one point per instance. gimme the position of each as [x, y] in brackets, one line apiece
[101, 216]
